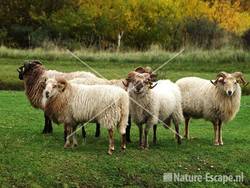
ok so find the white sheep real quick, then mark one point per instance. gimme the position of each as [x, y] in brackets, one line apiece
[150, 104]
[216, 101]
[99, 81]
[72, 104]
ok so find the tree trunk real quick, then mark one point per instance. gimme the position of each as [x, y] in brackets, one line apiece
[119, 41]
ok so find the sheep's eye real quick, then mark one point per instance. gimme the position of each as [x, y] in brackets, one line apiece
[54, 86]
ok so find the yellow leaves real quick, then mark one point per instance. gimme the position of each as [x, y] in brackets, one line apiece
[228, 16]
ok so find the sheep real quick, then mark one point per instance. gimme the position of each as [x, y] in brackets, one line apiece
[99, 81]
[34, 76]
[152, 103]
[216, 101]
[71, 104]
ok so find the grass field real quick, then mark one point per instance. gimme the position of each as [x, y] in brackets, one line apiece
[31, 159]
[205, 64]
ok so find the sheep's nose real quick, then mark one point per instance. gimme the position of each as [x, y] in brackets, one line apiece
[229, 92]
[139, 86]
[47, 94]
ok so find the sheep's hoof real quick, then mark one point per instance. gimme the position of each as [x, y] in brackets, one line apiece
[110, 151]
[141, 146]
[47, 131]
[67, 145]
[186, 137]
[146, 148]
[123, 147]
[221, 143]
[216, 143]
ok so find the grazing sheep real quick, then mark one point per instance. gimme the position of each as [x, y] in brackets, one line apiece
[34, 76]
[149, 104]
[216, 101]
[72, 104]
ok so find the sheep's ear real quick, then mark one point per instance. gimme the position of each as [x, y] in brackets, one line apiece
[131, 77]
[61, 84]
[153, 77]
[140, 70]
[125, 83]
[148, 70]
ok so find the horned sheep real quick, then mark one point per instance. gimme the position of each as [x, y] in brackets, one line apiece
[216, 101]
[151, 103]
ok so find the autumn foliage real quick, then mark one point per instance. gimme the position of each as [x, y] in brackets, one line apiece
[108, 24]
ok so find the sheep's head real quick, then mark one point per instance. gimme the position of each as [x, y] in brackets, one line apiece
[54, 86]
[140, 80]
[228, 83]
[27, 68]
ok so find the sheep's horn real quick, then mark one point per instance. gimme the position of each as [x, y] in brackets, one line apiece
[239, 75]
[125, 84]
[213, 82]
[151, 87]
[140, 70]
[222, 74]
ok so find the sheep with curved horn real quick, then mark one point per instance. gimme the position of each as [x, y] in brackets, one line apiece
[217, 101]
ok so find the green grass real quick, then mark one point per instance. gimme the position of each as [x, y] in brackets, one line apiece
[205, 64]
[30, 159]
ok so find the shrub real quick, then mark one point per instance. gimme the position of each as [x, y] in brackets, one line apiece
[246, 39]
[201, 32]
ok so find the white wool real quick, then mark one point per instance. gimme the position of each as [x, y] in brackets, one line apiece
[109, 105]
[201, 99]
[70, 75]
[162, 101]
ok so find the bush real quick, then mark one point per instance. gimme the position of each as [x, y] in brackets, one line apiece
[246, 39]
[201, 32]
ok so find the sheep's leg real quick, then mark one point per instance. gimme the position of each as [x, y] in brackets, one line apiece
[128, 130]
[186, 134]
[167, 123]
[75, 143]
[83, 134]
[146, 130]
[47, 125]
[220, 133]
[123, 143]
[154, 137]
[140, 136]
[111, 142]
[97, 131]
[177, 133]
[216, 131]
[65, 134]
[68, 131]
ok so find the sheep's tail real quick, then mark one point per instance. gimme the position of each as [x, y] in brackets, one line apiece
[124, 110]
[178, 115]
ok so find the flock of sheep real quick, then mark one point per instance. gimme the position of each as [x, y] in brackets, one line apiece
[79, 97]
